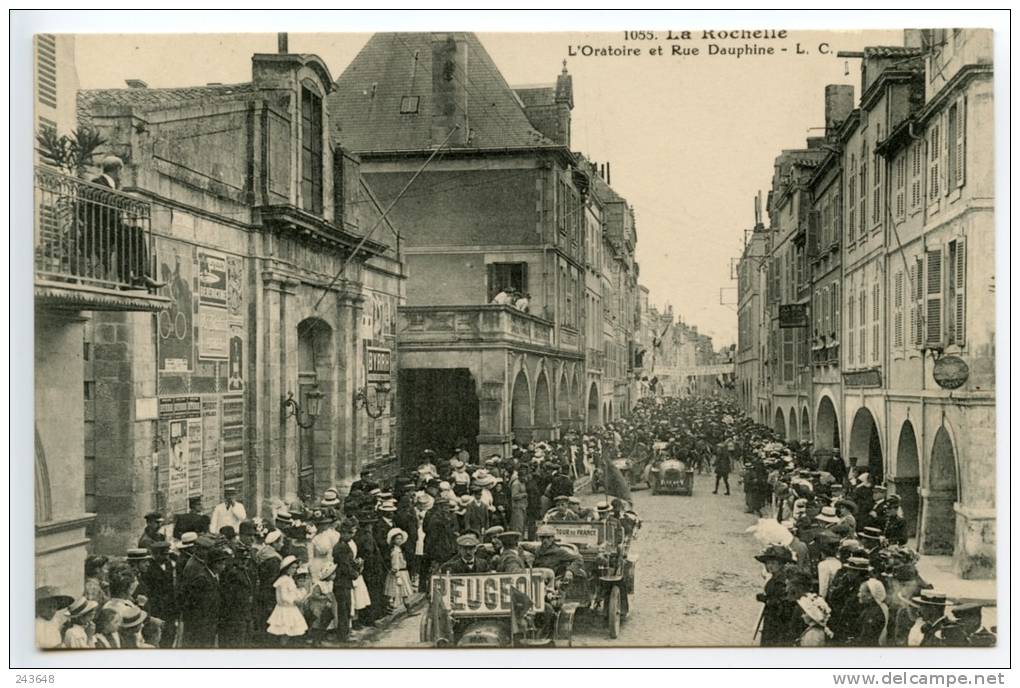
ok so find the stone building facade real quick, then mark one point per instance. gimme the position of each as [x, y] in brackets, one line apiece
[283, 286]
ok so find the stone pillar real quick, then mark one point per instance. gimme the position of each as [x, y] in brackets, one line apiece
[974, 555]
[938, 522]
[493, 434]
[349, 378]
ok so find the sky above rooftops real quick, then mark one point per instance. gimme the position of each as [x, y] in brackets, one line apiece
[690, 140]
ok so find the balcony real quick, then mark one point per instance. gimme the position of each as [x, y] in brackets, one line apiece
[90, 242]
[425, 325]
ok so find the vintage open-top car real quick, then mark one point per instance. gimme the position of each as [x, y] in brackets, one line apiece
[672, 476]
[522, 609]
[609, 566]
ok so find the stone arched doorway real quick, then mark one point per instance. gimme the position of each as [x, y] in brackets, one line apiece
[908, 473]
[866, 445]
[939, 533]
[520, 410]
[780, 424]
[826, 431]
[593, 406]
[805, 425]
[611, 416]
[794, 430]
[578, 401]
[315, 377]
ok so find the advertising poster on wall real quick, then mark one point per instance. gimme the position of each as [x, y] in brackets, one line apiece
[212, 332]
[235, 295]
[175, 331]
[195, 457]
[177, 473]
[235, 375]
[211, 466]
[212, 279]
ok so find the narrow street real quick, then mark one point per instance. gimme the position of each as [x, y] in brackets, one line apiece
[696, 576]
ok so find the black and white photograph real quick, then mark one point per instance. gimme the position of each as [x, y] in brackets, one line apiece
[682, 337]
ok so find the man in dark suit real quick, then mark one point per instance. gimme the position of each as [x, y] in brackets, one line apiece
[236, 599]
[723, 466]
[466, 561]
[192, 522]
[161, 579]
[348, 568]
[200, 595]
[115, 232]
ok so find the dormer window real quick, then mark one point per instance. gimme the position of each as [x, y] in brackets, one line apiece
[311, 152]
[409, 105]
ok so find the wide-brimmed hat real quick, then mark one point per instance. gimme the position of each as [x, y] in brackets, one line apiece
[283, 516]
[81, 606]
[465, 500]
[857, 564]
[394, 532]
[133, 618]
[384, 496]
[815, 608]
[827, 515]
[273, 536]
[287, 561]
[444, 486]
[493, 531]
[188, 540]
[424, 500]
[603, 507]
[848, 503]
[159, 546]
[388, 506]
[774, 553]
[330, 498]
[49, 593]
[508, 535]
[484, 478]
[932, 597]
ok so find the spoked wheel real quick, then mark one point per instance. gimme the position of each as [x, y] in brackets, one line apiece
[614, 612]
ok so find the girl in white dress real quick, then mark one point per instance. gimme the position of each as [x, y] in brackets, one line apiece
[320, 547]
[398, 583]
[287, 621]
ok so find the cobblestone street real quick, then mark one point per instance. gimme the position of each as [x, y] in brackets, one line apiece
[696, 576]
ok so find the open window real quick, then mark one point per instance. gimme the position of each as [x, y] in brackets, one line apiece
[502, 276]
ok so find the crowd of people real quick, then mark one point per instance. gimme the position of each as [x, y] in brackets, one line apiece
[317, 568]
[839, 569]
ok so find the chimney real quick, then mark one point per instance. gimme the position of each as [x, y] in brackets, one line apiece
[564, 104]
[913, 38]
[839, 103]
[281, 43]
[449, 92]
[135, 83]
[608, 175]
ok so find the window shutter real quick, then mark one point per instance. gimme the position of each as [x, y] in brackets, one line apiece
[961, 140]
[862, 320]
[850, 314]
[933, 299]
[493, 288]
[934, 154]
[898, 310]
[874, 322]
[959, 297]
[946, 145]
[915, 176]
[524, 278]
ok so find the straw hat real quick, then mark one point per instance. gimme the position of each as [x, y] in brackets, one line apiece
[815, 608]
[394, 532]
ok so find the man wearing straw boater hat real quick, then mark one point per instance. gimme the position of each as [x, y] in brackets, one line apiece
[932, 620]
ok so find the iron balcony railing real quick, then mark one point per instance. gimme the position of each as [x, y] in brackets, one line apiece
[89, 234]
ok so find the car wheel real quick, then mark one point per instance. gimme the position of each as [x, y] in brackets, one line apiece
[614, 612]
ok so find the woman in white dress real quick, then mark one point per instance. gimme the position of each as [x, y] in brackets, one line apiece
[320, 547]
[287, 621]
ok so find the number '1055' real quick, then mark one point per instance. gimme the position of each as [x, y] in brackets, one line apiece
[639, 35]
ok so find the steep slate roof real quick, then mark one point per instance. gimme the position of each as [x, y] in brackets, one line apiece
[156, 98]
[365, 106]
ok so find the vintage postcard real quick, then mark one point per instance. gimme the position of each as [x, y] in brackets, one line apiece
[450, 339]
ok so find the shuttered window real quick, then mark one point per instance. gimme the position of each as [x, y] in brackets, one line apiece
[875, 322]
[917, 299]
[934, 155]
[876, 190]
[933, 298]
[898, 310]
[850, 333]
[862, 324]
[957, 293]
[901, 186]
[915, 175]
[862, 183]
[46, 69]
[955, 142]
[311, 152]
[851, 195]
[789, 353]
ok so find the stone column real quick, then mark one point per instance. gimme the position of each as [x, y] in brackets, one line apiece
[938, 522]
[349, 378]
